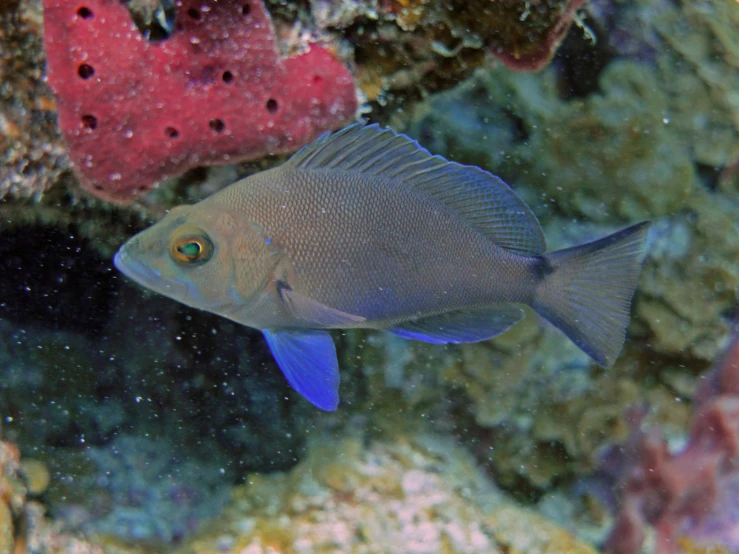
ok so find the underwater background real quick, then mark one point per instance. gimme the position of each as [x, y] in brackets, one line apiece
[131, 423]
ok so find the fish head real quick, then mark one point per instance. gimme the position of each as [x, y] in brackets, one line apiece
[204, 256]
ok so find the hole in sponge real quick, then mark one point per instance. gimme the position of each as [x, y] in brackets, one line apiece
[89, 122]
[245, 9]
[217, 125]
[228, 77]
[272, 106]
[85, 71]
[171, 132]
[317, 79]
[194, 14]
[83, 12]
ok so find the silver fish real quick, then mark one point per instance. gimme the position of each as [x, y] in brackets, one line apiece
[363, 228]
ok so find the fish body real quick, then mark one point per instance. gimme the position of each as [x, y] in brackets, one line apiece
[365, 229]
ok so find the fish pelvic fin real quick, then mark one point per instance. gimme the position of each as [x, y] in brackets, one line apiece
[586, 290]
[307, 358]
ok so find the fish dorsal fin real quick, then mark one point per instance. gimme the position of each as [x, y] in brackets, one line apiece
[482, 199]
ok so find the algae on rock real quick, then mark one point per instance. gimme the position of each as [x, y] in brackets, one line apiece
[419, 493]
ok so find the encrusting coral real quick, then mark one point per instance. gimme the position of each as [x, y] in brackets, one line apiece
[417, 494]
[134, 112]
[33, 157]
[690, 494]
[422, 494]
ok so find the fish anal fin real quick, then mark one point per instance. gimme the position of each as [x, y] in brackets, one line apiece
[483, 200]
[462, 326]
[307, 358]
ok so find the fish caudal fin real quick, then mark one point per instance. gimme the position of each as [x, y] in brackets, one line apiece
[586, 290]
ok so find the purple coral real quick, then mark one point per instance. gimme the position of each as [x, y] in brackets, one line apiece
[691, 495]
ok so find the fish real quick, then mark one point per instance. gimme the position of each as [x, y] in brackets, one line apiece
[365, 229]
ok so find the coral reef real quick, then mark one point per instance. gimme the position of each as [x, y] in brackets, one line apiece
[642, 124]
[417, 494]
[21, 481]
[133, 112]
[691, 281]
[523, 36]
[630, 149]
[138, 97]
[32, 155]
[23, 525]
[691, 492]
[141, 489]
[12, 496]
[421, 493]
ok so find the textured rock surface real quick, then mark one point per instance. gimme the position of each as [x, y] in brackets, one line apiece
[32, 155]
[418, 494]
[422, 494]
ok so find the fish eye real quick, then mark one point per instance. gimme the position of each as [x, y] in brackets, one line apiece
[191, 249]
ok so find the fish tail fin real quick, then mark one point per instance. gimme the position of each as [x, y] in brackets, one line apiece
[586, 290]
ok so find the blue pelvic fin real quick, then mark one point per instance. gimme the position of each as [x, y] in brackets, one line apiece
[307, 357]
[314, 312]
[462, 326]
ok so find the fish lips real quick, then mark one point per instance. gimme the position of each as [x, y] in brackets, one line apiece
[146, 276]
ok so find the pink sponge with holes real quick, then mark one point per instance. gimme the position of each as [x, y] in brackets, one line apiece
[135, 112]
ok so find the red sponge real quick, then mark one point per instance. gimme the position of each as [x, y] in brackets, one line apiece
[134, 112]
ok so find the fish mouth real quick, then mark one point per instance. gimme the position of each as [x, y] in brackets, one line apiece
[146, 276]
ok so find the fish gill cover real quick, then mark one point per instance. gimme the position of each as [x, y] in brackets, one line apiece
[134, 112]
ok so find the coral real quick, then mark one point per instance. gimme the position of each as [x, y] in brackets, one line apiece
[409, 47]
[23, 527]
[145, 490]
[524, 36]
[653, 131]
[415, 46]
[417, 494]
[690, 279]
[420, 494]
[134, 112]
[633, 148]
[12, 496]
[691, 492]
[32, 155]
[19, 481]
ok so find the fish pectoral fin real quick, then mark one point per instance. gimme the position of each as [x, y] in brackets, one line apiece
[314, 312]
[308, 360]
[462, 326]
